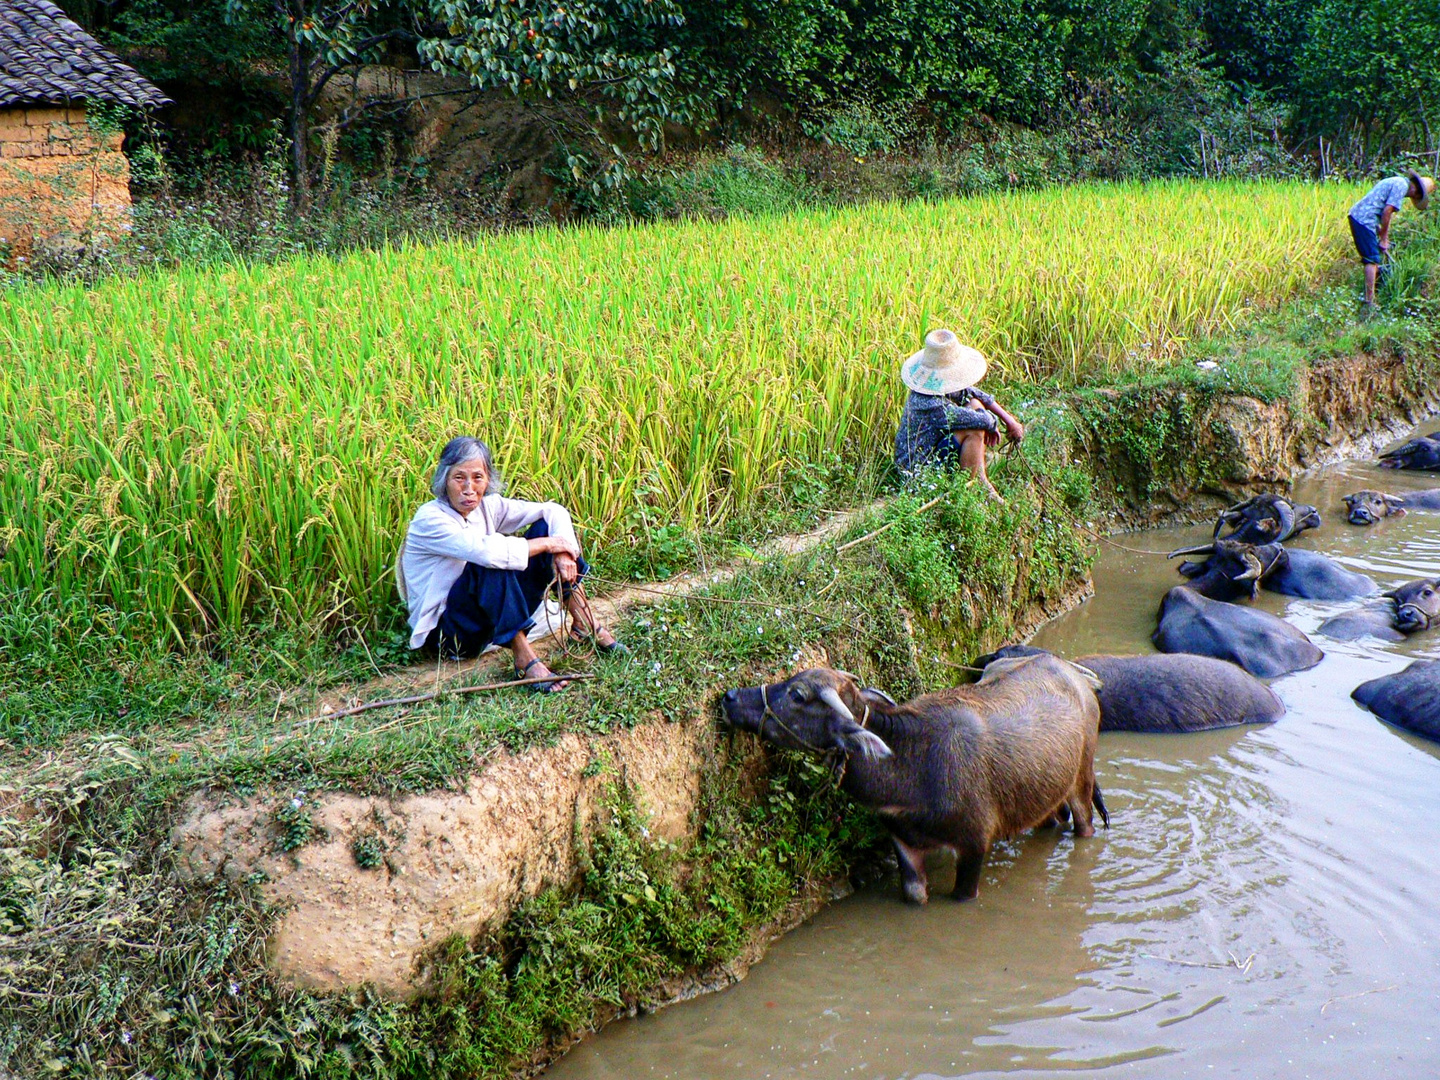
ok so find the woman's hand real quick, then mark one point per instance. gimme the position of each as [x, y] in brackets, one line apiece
[1014, 429]
[567, 568]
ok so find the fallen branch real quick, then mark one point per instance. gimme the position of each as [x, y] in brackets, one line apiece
[876, 532]
[1241, 966]
[413, 699]
[1362, 993]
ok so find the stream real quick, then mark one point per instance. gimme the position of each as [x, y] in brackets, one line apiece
[1266, 902]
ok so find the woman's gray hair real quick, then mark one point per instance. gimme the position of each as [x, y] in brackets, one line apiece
[465, 448]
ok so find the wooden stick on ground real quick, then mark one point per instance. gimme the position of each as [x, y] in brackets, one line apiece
[876, 532]
[389, 702]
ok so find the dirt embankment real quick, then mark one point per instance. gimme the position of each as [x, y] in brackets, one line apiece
[1163, 452]
[456, 862]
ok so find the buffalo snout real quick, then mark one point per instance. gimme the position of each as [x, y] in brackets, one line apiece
[743, 708]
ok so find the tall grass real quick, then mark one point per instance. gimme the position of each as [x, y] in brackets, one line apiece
[202, 447]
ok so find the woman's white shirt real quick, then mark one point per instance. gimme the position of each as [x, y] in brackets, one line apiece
[440, 542]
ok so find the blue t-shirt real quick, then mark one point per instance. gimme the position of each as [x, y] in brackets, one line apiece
[1389, 192]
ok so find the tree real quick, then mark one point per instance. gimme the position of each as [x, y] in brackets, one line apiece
[614, 55]
[322, 38]
[1370, 71]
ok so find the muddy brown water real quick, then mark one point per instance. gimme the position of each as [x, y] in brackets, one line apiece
[1265, 904]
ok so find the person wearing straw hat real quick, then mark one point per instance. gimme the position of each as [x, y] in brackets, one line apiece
[474, 566]
[1370, 221]
[947, 421]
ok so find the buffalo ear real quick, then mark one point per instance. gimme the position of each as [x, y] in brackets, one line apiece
[854, 739]
[876, 696]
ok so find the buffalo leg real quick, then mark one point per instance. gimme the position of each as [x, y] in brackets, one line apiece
[1082, 811]
[913, 882]
[967, 875]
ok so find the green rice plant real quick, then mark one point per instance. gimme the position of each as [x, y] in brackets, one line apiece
[210, 448]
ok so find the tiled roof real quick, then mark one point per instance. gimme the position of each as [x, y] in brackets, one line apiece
[46, 59]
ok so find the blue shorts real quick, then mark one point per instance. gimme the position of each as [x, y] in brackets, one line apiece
[1366, 243]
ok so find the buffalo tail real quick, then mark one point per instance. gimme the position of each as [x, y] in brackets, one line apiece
[1098, 801]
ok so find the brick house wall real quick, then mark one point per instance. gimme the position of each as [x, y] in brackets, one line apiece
[58, 177]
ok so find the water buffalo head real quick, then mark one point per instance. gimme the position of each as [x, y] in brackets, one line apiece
[1231, 569]
[1417, 605]
[1266, 519]
[1368, 507]
[819, 709]
[1421, 453]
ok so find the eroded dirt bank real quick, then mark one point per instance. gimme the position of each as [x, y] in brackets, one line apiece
[457, 862]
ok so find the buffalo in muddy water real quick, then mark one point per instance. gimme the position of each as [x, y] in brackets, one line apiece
[1172, 692]
[1368, 507]
[1259, 642]
[1233, 570]
[1409, 699]
[1265, 519]
[1404, 610]
[1421, 453]
[959, 769]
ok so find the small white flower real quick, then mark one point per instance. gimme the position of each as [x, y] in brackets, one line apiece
[125, 1037]
[234, 988]
[655, 667]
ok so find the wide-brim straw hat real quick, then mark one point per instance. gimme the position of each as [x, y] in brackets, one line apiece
[1426, 186]
[943, 366]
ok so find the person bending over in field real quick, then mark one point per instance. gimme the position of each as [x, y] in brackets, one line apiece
[947, 421]
[470, 582]
[1370, 221]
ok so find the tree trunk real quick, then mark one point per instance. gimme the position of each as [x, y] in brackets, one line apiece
[299, 64]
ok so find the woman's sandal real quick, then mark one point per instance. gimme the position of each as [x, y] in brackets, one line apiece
[615, 648]
[556, 687]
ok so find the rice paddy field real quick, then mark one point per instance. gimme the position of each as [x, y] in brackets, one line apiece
[198, 449]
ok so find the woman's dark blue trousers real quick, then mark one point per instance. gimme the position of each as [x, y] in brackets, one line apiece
[488, 606]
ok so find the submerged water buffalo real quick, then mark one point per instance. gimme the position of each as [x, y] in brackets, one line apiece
[1172, 692]
[1368, 507]
[1421, 453]
[959, 769]
[1409, 699]
[1233, 570]
[1259, 642]
[1266, 519]
[1404, 610]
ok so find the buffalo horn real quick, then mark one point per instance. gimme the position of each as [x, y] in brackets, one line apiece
[1254, 569]
[831, 697]
[1286, 510]
[1203, 549]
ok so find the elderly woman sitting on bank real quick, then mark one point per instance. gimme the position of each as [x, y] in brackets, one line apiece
[947, 421]
[470, 581]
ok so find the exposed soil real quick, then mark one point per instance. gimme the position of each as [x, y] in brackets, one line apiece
[454, 862]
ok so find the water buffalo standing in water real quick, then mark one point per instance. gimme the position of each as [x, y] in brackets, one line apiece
[1235, 570]
[1266, 519]
[1421, 453]
[1402, 611]
[1171, 692]
[958, 769]
[1368, 507]
[1259, 642]
[1409, 699]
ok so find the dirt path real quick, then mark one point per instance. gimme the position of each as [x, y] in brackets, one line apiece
[494, 666]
